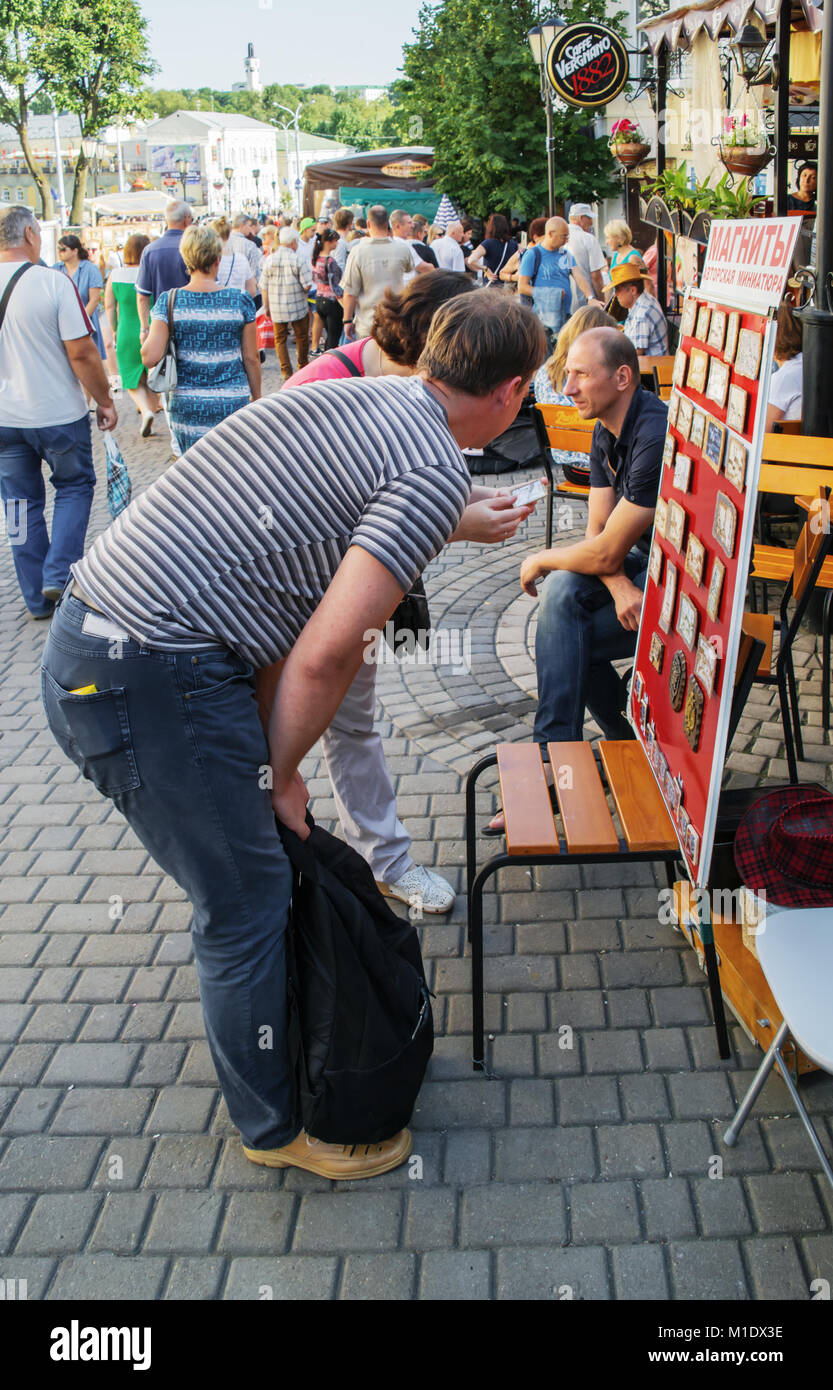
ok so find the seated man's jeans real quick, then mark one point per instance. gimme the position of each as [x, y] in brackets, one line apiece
[174, 740]
[578, 637]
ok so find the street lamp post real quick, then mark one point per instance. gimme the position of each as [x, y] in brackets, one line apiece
[540, 38]
[182, 170]
[59, 164]
[256, 177]
[228, 174]
[294, 114]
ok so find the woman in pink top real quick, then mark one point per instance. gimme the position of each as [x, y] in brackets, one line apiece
[397, 338]
[353, 750]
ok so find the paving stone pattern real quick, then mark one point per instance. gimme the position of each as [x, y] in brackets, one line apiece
[587, 1167]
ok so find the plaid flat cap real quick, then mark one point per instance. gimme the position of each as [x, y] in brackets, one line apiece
[784, 846]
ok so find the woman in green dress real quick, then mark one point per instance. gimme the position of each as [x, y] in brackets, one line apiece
[123, 313]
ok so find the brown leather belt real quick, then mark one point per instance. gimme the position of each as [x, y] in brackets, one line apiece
[78, 592]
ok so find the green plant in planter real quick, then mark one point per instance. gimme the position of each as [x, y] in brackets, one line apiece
[720, 201]
[674, 188]
[734, 202]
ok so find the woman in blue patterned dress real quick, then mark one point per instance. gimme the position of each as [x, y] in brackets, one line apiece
[217, 360]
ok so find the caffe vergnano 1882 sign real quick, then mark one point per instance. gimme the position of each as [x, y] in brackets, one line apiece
[587, 64]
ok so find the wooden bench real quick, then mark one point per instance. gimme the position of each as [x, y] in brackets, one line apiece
[609, 810]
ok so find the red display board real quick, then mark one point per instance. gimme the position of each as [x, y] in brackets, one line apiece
[689, 635]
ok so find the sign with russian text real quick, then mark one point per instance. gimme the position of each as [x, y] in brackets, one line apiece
[747, 262]
[587, 64]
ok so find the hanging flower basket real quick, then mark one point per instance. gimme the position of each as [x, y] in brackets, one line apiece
[631, 154]
[627, 144]
[746, 160]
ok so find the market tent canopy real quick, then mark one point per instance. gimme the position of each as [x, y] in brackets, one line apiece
[424, 203]
[128, 204]
[365, 171]
[678, 27]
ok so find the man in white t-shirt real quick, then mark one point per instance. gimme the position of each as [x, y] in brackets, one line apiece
[587, 252]
[448, 249]
[46, 356]
[402, 229]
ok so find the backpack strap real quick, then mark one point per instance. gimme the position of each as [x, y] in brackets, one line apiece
[7, 294]
[536, 256]
[345, 361]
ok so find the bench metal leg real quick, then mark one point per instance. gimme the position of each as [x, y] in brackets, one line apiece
[786, 718]
[716, 993]
[827, 614]
[471, 827]
[478, 1030]
[550, 495]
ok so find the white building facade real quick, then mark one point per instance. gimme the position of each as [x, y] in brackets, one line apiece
[213, 142]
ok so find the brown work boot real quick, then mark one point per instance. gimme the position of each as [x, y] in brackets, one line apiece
[336, 1160]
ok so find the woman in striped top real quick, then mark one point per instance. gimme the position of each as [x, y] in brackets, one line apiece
[217, 361]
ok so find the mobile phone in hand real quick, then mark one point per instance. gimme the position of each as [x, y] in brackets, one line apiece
[524, 493]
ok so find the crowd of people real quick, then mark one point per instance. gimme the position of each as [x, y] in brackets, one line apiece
[358, 462]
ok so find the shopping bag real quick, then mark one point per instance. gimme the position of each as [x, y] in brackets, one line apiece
[265, 332]
[119, 486]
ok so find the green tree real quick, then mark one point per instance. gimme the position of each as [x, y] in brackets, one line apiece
[471, 89]
[24, 79]
[98, 51]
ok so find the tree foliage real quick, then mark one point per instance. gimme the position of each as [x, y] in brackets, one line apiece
[340, 116]
[98, 53]
[471, 89]
[23, 77]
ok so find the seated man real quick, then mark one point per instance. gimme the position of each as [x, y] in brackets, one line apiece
[645, 324]
[589, 612]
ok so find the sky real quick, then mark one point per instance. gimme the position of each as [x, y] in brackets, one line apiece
[202, 43]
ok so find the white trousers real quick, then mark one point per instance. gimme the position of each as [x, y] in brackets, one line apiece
[364, 796]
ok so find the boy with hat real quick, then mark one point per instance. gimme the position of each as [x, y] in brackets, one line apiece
[645, 324]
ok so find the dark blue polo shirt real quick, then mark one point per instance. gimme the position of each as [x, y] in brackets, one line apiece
[632, 464]
[162, 267]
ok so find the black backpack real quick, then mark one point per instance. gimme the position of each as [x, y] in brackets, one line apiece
[361, 1029]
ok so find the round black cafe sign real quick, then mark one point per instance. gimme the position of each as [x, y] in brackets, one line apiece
[587, 64]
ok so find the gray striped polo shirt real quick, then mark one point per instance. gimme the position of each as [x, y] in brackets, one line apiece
[237, 541]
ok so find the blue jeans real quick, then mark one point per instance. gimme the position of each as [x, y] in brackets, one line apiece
[174, 740]
[67, 449]
[578, 637]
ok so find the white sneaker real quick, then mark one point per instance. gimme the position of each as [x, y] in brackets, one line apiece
[421, 889]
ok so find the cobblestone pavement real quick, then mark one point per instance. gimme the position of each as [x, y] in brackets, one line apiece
[586, 1166]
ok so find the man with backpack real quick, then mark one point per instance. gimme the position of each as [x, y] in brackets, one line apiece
[547, 274]
[290, 532]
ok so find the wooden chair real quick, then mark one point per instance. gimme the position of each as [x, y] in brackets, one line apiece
[656, 373]
[590, 835]
[802, 570]
[787, 427]
[791, 465]
[561, 427]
